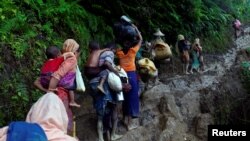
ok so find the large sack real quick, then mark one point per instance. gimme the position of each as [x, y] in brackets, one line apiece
[126, 87]
[79, 81]
[121, 72]
[147, 67]
[161, 50]
[114, 82]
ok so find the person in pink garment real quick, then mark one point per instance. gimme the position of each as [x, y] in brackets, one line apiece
[238, 30]
[67, 67]
[55, 59]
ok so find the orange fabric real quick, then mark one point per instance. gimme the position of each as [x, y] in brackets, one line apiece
[127, 61]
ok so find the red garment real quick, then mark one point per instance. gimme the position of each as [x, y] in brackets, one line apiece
[63, 94]
[51, 66]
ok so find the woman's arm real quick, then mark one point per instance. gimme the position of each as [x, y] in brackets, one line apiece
[53, 84]
[38, 84]
[139, 33]
[68, 65]
[68, 55]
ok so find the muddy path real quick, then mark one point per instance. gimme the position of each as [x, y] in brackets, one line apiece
[181, 104]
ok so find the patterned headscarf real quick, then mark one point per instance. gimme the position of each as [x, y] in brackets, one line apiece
[70, 45]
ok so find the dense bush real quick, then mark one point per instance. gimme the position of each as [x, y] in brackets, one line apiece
[245, 74]
[26, 29]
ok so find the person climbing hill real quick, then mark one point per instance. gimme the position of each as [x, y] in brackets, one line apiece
[55, 59]
[237, 28]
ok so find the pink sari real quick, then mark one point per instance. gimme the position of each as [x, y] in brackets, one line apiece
[68, 66]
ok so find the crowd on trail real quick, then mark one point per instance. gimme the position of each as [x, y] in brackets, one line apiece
[113, 73]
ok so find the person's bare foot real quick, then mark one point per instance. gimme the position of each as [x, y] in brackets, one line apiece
[74, 104]
[100, 88]
[115, 137]
[131, 127]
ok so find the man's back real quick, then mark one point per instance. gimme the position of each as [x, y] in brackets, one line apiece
[93, 59]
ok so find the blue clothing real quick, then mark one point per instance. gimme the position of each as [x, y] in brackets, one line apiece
[107, 118]
[100, 100]
[183, 46]
[104, 73]
[195, 60]
[23, 131]
[139, 54]
[131, 99]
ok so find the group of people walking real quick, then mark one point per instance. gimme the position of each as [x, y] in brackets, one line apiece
[58, 81]
[97, 68]
[190, 54]
[50, 118]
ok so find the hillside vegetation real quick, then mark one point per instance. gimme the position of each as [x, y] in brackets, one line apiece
[27, 27]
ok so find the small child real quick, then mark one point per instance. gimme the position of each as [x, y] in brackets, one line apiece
[106, 62]
[92, 68]
[49, 67]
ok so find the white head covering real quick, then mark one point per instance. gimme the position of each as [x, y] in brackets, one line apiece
[50, 113]
[158, 33]
[3, 133]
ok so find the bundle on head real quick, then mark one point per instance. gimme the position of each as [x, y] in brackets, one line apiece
[161, 50]
[125, 34]
[147, 69]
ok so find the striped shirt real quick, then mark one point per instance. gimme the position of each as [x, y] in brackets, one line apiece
[106, 56]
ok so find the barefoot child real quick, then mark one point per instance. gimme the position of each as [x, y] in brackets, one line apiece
[92, 68]
[50, 66]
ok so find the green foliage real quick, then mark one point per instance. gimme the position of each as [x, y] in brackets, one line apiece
[245, 74]
[205, 19]
[27, 28]
[15, 99]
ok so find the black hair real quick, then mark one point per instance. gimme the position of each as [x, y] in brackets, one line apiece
[52, 52]
[110, 45]
[125, 34]
[94, 45]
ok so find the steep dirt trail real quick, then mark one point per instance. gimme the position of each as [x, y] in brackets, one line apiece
[178, 108]
[175, 105]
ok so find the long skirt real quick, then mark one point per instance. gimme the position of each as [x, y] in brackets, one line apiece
[195, 60]
[63, 94]
[131, 99]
